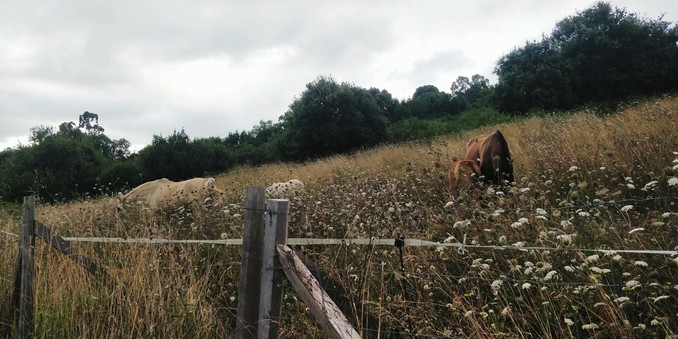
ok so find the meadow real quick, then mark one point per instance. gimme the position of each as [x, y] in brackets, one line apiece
[584, 182]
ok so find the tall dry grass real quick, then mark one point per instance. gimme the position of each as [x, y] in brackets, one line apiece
[583, 182]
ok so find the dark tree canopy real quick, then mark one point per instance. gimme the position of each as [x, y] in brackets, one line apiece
[331, 118]
[428, 102]
[599, 54]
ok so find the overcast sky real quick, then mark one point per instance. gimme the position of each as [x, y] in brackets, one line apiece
[213, 67]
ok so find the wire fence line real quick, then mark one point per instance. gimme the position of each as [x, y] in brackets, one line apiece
[362, 241]
[373, 242]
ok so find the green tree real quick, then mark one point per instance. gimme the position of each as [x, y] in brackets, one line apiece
[40, 133]
[428, 102]
[598, 54]
[331, 118]
[59, 167]
[473, 92]
[177, 157]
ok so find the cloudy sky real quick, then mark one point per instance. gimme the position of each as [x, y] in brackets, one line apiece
[213, 67]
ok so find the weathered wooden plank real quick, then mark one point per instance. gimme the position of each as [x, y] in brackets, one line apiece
[323, 309]
[57, 242]
[251, 262]
[64, 247]
[26, 306]
[270, 300]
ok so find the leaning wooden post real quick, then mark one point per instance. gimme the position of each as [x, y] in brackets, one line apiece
[270, 300]
[250, 264]
[25, 328]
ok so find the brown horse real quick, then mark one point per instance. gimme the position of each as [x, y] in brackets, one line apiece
[492, 155]
[461, 173]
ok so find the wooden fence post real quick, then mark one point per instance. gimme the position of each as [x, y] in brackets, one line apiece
[25, 328]
[250, 264]
[270, 300]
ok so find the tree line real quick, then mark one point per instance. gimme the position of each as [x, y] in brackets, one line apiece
[601, 55]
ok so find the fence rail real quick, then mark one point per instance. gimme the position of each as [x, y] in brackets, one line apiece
[368, 241]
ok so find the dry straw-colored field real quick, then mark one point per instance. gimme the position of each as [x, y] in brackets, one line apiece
[583, 182]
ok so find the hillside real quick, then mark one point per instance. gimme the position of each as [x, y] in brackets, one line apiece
[584, 182]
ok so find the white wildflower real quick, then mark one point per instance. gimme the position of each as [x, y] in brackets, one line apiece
[516, 225]
[522, 244]
[584, 214]
[490, 191]
[626, 208]
[540, 211]
[506, 311]
[524, 190]
[666, 215]
[568, 322]
[655, 322]
[500, 193]
[569, 268]
[642, 326]
[550, 275]
[232, 299]
[526, 286]
[224, 235]
[661, 297]
[602, 168]
[633, 284]
[638, 229]
[628, 179]
[617, 257]
[592, 258]
[541, 217]
[622, 300]
[595, 269]
[528, 271]
[468, 314]
[449, 239]
[573, 168]
[650, 185]
[641, 263]
[630, 186]
[449, 203]
[503, 240]
[462, 223]
[391, 210]
[591, 326]
[565, 238]
[523, 220]
[673, 181]
[565, 223]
